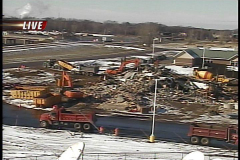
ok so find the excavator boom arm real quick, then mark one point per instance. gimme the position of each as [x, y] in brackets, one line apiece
[136, 61]
[123, 64]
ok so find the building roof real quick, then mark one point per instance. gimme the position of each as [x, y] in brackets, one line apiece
[212, 54]
[192, 53]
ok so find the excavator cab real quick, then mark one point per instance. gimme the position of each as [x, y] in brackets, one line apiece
[49, 63]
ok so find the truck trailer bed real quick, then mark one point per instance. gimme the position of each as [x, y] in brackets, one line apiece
[75, 117]
[208, 132]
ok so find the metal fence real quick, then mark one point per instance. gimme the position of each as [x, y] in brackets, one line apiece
[151, 156]
[133, 156]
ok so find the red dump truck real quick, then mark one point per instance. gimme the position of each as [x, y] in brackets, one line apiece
[202, 134]
[62, 118]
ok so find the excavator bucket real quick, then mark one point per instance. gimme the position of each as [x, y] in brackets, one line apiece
[109, 71]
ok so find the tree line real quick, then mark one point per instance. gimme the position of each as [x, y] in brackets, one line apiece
[146, 31]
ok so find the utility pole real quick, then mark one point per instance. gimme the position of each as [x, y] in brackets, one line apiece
[155, 39]
[203, 57]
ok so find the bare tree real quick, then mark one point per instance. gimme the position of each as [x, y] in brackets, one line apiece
[190, 37]
[147, 31]
[222, 37]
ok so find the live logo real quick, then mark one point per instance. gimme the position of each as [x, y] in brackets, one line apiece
[33, 25]
[27, 24]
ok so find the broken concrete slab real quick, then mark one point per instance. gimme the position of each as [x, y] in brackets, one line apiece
[120, 99]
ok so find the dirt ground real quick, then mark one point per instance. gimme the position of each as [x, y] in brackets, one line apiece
[88, 103]
[185, 111]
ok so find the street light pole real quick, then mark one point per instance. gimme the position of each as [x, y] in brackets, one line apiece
[203, 57]
[152, 137]
[62, 33]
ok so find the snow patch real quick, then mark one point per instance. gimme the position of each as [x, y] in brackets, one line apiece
[44, 144]
[181, 70]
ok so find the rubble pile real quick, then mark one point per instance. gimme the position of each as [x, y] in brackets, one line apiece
[179, 97]
[175, 88]
[17, 76]
[135, 90]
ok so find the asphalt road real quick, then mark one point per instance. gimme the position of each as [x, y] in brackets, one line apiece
[39, 63]
[128, 127]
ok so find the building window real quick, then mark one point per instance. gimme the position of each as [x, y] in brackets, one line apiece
[208, 61]
[234, 63]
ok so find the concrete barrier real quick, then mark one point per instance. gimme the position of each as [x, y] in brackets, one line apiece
[236, 106]
[228, 106]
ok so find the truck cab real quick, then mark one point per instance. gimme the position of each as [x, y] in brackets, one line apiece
[222, 79]
[49, 63]
[49, 118]
[233, 135]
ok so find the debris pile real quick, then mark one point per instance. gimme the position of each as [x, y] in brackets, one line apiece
[179, 95]
[135, 92]
[17, 76]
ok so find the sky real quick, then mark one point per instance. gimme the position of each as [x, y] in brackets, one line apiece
[209, 14]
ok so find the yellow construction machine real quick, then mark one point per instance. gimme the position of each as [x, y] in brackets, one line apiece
[206, 75]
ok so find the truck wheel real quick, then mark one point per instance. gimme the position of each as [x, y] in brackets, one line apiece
[194, 140]
[205, 141]
[77, 126]
[87, 126]
[44, 124]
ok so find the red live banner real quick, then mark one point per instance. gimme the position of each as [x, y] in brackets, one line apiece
[26, 25]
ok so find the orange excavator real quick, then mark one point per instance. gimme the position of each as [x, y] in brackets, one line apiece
[123, 64]
[66, 81]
